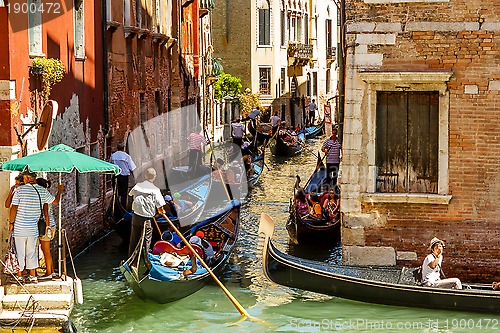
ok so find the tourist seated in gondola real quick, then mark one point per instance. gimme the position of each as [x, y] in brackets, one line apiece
[331, 205]
[431, 268]
[208, 250]
[315, 209]
[181, 205]
[170, 208]
[247, 160]
[301, 202]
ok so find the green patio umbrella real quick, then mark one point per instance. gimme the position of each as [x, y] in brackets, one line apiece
[60, 158]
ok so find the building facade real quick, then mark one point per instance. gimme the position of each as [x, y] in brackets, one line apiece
[73, 35]
[282, 50]
[421, 148]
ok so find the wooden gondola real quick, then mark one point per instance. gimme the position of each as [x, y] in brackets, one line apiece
[150, 279]
[258, 167]
[279, 147]
[306, 229]
[314, 130]
[196, 191]
[381, 285]
[263, 131]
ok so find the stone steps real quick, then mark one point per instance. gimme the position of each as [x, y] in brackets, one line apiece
[46, 302]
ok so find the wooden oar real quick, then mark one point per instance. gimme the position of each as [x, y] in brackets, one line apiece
[233, 300]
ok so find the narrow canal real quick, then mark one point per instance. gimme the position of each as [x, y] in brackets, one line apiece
[111, 306]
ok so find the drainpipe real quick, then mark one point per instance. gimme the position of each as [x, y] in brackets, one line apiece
[342, 73]
[105, 67]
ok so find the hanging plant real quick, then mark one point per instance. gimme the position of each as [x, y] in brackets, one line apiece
[51, 70]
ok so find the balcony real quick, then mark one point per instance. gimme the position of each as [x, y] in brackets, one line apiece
[331, 54]
[299, 54]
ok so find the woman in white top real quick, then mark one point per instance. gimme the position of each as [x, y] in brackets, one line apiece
[431, 268]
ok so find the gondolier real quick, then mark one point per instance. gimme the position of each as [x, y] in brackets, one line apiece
[147, 201]
[332, 149]
[126, 164]
[237, 132]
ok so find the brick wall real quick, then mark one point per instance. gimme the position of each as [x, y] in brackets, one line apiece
[459, 37]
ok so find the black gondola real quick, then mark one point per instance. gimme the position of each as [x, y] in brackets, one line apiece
[263, 131]
[306, 229]
[149, 279]
[381, 285]
[279, 147]
[314, 130]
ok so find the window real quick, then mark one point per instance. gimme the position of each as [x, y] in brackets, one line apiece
[299, 30]
[82, 195]
[79, 30]
[264, 23]
[407, 142]
[306, 29]
[308, 84]
[283, 28]
[95, 179]
[328, 80]
[292, 35]
[265, 80]
[283, 80]
[127, 20]
[315, 84]
[328, 35]
[35, 28]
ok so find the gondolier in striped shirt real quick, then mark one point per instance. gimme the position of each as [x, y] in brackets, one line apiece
[195, 142]
[332, 149]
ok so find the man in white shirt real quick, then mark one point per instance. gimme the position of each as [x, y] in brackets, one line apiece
[275, 122]
[312, 111]
[147, 201]
[431, 268]
[124, 161]
[237, 132]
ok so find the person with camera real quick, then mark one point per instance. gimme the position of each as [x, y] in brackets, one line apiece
[25, 212]
[431, 268]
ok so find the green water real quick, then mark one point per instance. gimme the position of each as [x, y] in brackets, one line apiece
[111, 306]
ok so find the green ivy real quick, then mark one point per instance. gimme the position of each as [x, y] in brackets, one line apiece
[227, 85]
[52, 72]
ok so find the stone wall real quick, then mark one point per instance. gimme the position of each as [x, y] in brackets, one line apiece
[450, 44]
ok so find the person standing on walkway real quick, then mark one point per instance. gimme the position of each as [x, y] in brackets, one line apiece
[332, 148]
[195, 141]
[25, 212]
[124, 161]
[237, 132]
[312, 111]
[148, 200]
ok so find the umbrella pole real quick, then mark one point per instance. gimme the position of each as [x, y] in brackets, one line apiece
[59, 233]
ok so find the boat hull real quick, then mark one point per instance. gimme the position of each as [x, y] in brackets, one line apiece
[138, 267]
[391, 286]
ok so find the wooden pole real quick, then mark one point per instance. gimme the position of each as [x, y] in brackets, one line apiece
[233, 300]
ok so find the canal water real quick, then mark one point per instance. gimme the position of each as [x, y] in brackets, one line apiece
[110, 305]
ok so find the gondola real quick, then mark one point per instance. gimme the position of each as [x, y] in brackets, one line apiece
[150, 279]
[314, 130]
[380, 285]
[258, 167]
[306, 229]
[196, 191]
[263, 131]
[279, 147]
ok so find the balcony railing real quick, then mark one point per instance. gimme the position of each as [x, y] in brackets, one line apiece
[299, 54]
[331, 53]
[300, 51]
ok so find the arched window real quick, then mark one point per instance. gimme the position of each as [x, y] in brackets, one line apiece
[264, 23]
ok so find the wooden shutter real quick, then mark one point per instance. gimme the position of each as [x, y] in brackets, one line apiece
[407, 142]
